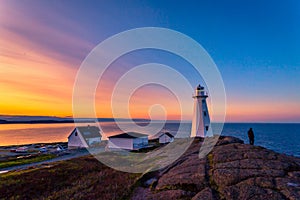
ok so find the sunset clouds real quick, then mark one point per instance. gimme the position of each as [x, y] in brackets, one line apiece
[43, 44]
[38, 64]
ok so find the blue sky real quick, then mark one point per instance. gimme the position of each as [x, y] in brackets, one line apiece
[255, 44]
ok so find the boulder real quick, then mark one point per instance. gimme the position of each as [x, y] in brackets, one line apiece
[232, 170]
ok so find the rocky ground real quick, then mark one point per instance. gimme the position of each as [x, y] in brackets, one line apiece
[232, 170]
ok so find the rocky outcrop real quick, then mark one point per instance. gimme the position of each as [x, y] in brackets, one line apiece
[232, 170]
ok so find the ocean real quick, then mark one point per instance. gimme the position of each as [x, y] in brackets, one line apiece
[280, 137]
[283, 138]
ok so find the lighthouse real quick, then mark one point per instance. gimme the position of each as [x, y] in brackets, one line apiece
[201, 121]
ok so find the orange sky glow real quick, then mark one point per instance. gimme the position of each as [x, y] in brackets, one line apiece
[38, 80]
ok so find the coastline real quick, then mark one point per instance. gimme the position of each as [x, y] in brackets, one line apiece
[233, 170]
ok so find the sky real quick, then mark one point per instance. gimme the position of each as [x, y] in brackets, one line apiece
[255, 45]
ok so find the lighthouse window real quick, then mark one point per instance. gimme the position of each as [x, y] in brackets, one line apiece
[203, 101]
[206, 127]
[204, 113]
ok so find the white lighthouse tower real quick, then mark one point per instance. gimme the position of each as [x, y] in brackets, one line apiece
[201, 121]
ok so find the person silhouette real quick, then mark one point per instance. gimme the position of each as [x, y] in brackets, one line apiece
[251, 136]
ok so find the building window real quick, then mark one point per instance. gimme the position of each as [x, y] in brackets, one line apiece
[76, 133]
[206, 127]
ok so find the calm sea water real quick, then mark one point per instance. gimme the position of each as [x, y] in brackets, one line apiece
[283, 138]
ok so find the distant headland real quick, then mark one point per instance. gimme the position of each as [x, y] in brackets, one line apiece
[24, 119]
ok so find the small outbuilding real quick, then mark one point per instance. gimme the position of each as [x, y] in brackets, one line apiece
[128, 141]
[84, 137]
[165, 138]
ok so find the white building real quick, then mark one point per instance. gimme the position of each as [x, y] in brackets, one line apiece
[128, 141]
[201, 121]
[84, 137]
[166, 138]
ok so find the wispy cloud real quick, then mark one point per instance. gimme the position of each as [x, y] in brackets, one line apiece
[38, 64]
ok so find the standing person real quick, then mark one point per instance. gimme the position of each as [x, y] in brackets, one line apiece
[251, 136]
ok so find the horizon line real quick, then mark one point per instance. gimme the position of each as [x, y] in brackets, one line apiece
[145, 119]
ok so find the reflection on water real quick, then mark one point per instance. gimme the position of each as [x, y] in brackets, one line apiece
[11, 134]
[16, 134]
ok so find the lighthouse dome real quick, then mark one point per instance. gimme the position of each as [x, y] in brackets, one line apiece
[199, 87]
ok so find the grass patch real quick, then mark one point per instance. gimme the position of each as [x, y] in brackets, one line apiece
[79, 178]
[22, 161]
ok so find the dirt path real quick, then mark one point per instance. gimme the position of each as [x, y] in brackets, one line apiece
[60, 158]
